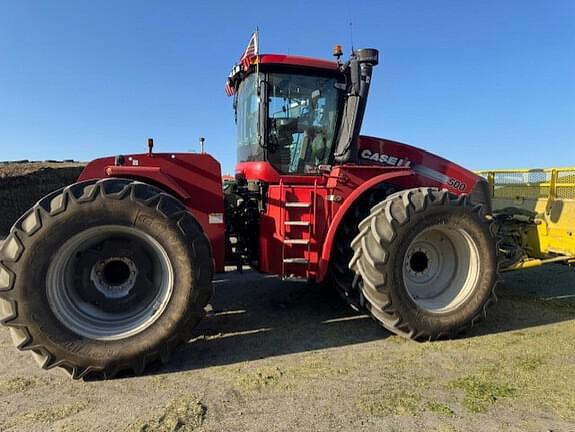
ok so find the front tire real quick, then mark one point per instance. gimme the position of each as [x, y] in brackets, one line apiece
[427, 263]
[104, 276]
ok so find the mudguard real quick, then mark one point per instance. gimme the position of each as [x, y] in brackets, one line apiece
[404, 166]
[194, 178]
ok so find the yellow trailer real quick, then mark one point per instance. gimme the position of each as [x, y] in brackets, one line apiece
[535, 211]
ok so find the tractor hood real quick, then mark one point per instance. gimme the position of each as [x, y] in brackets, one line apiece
[449, 175]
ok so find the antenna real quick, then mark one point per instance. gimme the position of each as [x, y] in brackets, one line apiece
[350, 25]
[351, 34]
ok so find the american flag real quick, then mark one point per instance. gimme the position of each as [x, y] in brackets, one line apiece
[229, 88]
[250, 52]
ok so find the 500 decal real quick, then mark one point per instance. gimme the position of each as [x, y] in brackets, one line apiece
[440, 177]
[456, 184]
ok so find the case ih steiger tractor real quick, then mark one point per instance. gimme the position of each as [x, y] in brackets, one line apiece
[114, 271]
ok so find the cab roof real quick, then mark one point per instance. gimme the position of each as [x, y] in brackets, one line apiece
[292, 60]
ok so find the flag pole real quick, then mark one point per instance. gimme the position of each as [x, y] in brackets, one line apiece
[257, 81]
[257, 55]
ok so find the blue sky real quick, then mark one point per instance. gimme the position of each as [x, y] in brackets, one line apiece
[486, 83]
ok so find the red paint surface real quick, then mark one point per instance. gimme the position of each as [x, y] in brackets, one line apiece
[291, 60]
[195, 179]
[331, 195]
[422, 158]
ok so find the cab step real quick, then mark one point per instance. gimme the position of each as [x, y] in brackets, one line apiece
[296, 260]
[298, 204]
[296, 241]
[297, 223]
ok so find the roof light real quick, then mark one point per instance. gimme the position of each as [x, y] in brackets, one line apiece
[337, 51]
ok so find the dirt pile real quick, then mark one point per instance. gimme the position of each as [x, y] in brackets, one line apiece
[22, 184]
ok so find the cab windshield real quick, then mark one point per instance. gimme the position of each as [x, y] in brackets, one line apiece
[301, 119]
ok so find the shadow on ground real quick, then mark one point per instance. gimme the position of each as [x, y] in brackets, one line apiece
[259, 316]
[532, 298]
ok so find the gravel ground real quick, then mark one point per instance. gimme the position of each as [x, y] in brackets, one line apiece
[279, 356]
[22, 184]
[18, 169]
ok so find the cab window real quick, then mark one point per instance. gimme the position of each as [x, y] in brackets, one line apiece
[302, 118]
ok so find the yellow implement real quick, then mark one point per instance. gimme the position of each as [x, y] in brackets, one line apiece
[536, 208]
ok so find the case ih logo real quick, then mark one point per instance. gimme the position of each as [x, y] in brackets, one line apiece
[384, 158]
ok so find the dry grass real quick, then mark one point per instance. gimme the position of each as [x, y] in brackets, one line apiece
[185, 414]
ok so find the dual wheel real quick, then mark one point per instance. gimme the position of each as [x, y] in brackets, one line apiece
[425, 263]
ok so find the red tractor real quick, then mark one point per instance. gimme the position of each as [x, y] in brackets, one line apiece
[115, 271]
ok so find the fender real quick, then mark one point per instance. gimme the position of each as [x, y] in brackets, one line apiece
[194, 178]
[328, 242]
[153, 173]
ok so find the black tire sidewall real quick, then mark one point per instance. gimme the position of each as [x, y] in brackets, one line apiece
[339, 272]
[61, 342]
[452, 216]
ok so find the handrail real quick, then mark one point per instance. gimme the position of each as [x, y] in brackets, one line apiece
[552, 180]
[524, 170]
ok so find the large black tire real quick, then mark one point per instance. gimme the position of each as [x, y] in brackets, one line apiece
[427, 261]
[104, 276]
[340, 275]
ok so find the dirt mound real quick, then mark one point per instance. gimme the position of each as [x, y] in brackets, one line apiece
[22, 184]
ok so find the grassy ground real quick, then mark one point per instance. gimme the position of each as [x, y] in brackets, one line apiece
[285, 356]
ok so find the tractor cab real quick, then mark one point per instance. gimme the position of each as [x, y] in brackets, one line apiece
[296, 114]
[288, 119]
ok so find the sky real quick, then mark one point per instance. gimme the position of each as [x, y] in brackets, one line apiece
[485, 83]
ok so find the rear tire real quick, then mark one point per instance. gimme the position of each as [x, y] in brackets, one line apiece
[427, 262]
[104, 276]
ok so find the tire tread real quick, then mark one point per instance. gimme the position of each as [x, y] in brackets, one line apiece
[378, 231]
[33, 221]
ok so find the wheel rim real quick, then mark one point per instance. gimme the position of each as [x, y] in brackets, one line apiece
[441, 268]
[109, 282]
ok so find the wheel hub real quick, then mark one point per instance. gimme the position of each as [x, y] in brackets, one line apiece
[422, 262]
[418, 262]
[109, 282]
[114, 277]
[440, 268]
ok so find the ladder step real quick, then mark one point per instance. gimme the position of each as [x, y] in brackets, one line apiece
[297, 223]
[296, 260]
[297, 204]
[294, 278]
[296, 241]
